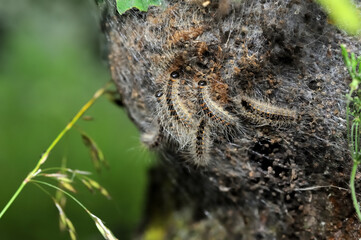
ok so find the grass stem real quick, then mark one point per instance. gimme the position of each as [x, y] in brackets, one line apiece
[353, 191]
[45, 155]
[61, 190]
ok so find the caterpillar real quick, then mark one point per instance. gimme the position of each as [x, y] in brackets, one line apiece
[200, 146]
[264, 112]
[154, 138]
[213, 109]
[175, 115]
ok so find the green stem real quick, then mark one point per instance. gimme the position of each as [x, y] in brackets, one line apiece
[13, 198]
[355, 140]
[45, 155]
[348, 121]
[352, 141]
[352, 136]
[61, 190]
[43, 190]
[353, 191]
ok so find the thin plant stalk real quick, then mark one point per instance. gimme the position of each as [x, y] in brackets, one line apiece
[353, 67]
[353, 190]
[348, 120]
[352, 136]
[356, 141]
[356, 162]
[353, 141]
[61, 190]
[45, 155]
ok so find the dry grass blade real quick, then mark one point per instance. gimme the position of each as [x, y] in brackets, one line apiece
[107, 234]
[72, 235]
[61, 177]
[94, 185]
[78, 172]
[64, 221]
[105, 193]
[68, 186]
[87, 185]
[101, 189]
[62, 217]
[95, 152]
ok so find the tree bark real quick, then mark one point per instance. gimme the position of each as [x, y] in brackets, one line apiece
[261, 151]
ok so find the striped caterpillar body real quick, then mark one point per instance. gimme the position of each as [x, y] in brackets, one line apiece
[176, 107]
[175, 116]
[265, 113]
[178, 118]
[200, 145]
[213, 109]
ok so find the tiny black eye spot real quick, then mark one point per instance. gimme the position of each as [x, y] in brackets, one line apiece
[158, 94]
[202, 83]
[174, 74]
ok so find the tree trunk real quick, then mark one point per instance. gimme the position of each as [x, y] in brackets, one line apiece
[244, 102]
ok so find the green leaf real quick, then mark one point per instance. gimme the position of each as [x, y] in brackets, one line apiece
[345, 56]
[142, 5]
[353, 67]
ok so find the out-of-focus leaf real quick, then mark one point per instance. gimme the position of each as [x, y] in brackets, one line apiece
[344, 14]
[142, 5]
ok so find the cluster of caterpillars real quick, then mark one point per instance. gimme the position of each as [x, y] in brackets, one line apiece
[191, 117]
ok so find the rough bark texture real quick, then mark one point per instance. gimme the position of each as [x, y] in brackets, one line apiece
[262, 176]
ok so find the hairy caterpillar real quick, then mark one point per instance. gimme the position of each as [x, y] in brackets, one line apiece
[175, 115]
[200, 145]
[263, 112]
[154, 138]
[213, 109]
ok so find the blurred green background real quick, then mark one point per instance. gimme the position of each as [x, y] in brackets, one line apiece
[50, 65]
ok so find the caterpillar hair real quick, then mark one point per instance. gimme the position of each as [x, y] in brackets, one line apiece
[200, 145]
[213, 109]
[175, 115]
[153, 138]
[264, 112]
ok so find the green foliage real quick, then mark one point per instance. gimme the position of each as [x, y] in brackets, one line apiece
[142, 5]
[352, 65]
[344, 14]
[354, 110]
